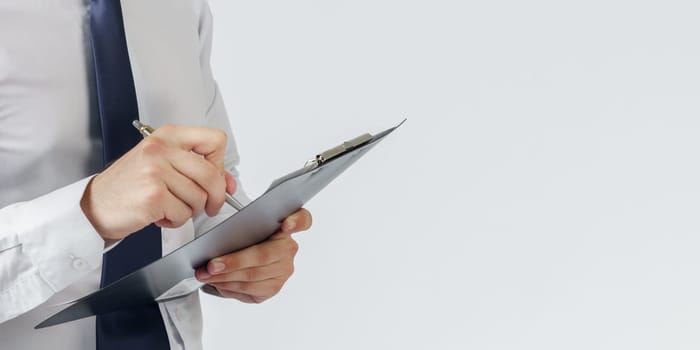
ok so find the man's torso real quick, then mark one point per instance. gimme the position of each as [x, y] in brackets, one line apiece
[49, 131]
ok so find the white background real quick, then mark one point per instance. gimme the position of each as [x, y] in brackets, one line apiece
[543, 194]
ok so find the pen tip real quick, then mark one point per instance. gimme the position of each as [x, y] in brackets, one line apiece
[137, 124]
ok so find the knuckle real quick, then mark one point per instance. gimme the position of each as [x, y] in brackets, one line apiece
[152, 145]
[202, 197]
[185, 215]
[223, 291]
[289, 270]
[213, 182]
[292, 246]
[241, 287]
[226, 286]
[257, 300]
[152, 171]
[165, 224]
[212, 208]
[198, 209]
[252, 274]
[216, 187]
[263, 256]
[275, 288]
[154, 194]
[220, 137]
[166, 129]
[178, 219]
[200, 202]
[232, 263]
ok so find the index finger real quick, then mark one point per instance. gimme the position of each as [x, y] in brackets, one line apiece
[208, 142]
[261, 254]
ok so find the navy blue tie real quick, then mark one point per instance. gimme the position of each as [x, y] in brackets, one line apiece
[140, 328]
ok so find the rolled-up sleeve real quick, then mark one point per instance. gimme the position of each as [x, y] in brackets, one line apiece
[46, 244]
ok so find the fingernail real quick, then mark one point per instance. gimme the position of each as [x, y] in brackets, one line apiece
[217, 266]
[289, 224]
[204, 275]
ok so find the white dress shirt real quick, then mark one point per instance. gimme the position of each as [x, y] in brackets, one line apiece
[50, 146]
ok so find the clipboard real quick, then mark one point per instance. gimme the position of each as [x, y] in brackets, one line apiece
[172, 276]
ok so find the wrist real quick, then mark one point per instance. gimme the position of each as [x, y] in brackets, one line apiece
[88, 208]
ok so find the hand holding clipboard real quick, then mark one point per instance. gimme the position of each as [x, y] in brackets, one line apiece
[172, 276]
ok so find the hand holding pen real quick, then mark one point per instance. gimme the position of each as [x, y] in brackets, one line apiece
[147, 130]
[230, 275]
[169, 177]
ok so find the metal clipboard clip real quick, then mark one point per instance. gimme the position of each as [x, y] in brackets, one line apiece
[336, 151]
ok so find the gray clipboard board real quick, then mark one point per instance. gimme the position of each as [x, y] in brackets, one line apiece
[172, 276]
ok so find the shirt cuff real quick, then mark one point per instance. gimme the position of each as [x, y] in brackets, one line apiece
[57, 237]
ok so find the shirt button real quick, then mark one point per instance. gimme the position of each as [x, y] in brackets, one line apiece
[79, 264]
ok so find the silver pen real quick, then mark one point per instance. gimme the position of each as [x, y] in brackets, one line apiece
[147, 130]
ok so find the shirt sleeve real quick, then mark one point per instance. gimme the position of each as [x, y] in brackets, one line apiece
[46, 244]
[216, 117]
